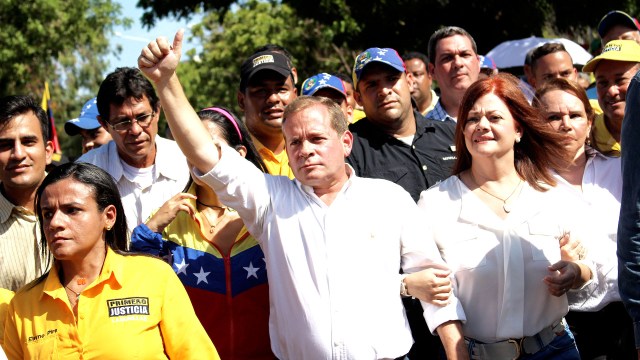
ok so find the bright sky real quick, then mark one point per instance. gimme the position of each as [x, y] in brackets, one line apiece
[136, 37]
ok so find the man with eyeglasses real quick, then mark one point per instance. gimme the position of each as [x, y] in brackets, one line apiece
[148, 169]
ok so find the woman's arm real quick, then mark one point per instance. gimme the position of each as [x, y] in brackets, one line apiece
[182, 333]
[453, 340]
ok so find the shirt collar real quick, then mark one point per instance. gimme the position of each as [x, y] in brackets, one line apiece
[439, 113]
[6, 207]
[112, 271]
[164, 165]
[309, 190]
[164, 154]
[421, 125]
[266, 153]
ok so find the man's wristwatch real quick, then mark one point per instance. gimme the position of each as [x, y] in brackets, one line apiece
[403, 288]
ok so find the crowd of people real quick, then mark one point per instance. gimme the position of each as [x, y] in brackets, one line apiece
[371, 217]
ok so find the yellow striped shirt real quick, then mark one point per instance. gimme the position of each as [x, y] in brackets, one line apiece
[21, 260]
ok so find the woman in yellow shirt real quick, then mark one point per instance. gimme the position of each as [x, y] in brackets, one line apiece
[97, 301]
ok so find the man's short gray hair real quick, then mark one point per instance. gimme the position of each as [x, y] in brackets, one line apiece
[336, 116]
[445, 33]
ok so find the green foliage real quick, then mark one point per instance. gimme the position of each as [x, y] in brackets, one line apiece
[157, 9]
[407, 24]
[214, 78]
[59, 41]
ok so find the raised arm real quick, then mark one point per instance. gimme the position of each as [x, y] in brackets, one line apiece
[159, 61]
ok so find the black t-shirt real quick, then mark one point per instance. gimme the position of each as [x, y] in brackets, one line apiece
[416, 167]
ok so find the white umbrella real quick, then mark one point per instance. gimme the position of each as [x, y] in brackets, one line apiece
[513, 52]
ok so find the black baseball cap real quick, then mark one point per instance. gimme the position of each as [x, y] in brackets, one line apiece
[264, 60]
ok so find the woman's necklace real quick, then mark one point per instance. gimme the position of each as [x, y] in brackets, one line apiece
[211, 206]
[77, 294]
[212, 226]
[506, 207]
[80, 281]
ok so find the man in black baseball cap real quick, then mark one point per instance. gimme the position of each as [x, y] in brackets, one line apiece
[618, 25]
[266, 87]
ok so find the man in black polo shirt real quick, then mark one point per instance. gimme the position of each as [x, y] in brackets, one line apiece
[396, 143]
[393, 141]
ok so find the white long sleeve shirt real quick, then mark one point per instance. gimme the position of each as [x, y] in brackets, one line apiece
[602, 193]
[333, 270]
[499, 264]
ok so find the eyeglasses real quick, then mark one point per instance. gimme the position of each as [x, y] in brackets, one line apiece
[143, 121]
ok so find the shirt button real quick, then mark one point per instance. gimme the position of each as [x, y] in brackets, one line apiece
[413, 147]
[424, 167]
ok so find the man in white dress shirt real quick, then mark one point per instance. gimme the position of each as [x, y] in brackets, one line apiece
[148, 169]
[332, 243]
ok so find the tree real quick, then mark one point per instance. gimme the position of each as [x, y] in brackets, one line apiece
[62, 42]
[408, 24]
[215, 76]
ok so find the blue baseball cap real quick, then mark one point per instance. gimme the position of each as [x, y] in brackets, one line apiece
[86, 121]
[322, 81]
[386, 56]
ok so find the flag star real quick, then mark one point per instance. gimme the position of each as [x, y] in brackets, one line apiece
[326, 76]
[202, 276]
[382, 52]
[322, 82]
[377, 58]
[251, 271]
[182, 267]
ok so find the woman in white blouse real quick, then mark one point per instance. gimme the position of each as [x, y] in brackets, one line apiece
[597, 318]
[498, 223]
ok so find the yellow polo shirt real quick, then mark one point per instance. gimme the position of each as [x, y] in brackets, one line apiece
[434, 101]
[601, 138]
[136, 309]
[5, 298]
[276, 164]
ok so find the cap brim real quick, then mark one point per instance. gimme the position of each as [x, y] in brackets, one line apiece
[72, 127]
[324, 87]
[281, 71]
[361, 71]
[592, 65]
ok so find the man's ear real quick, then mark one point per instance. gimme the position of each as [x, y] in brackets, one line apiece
[347, 142]
[103, 123]
[48, 151]
[356, 95]
[240, 97]
[528, 73]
